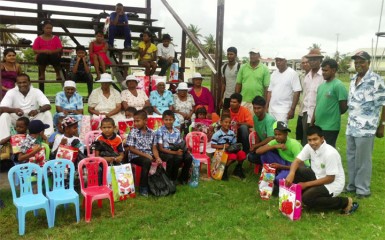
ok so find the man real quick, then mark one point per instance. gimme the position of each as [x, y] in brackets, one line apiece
[366, 99]
[229, 72]
[263, 126]
[324, 181]
[310, 84]
[242, 120]
[165, 54]
[24, 100]
[306, 68]
[331, 102]
[253, 79]
[119, 26]
[283, 92]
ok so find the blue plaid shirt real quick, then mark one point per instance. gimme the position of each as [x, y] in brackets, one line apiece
[74, 103]
[141, 141]
[220, 137]
[165, 137]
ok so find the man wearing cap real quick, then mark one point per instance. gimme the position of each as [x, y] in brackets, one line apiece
[229, 72]
[165, 54]
[283, 92]
[24, 100]
[310, 85]
[253, 79]
[366, 100]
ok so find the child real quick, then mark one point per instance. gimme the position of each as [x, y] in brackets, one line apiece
[98, 49]
[147, 54]
[70, 129]
[80, 68]
[149, 110]
[32, 144]
[108, 136]
[21, 128]
[201, 123]
[171, 149]
[59, 131]
[129, 112]
[222, 139]
[143, 149]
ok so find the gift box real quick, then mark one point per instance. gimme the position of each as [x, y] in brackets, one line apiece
[290, 198]
[67, 152]
[39, 157]
[266, 181]
[16, 141]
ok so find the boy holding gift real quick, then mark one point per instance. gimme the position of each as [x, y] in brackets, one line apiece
[69, 138]
[113, 140]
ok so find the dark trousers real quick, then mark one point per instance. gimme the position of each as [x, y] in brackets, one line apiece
[48, 59]
[83, 77]
[114, 30]
[299, 129]
[164, 65]
[145, 163]
[226, 103]
[318, 197]
[331, 137]
[173, 163]
[305, 126]
[243, 137]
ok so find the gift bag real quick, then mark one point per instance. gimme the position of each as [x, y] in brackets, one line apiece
[266, 181]
[85, 127]
[144, 84]
[5, 152]
[121, 181]
[16, 141]
[205, 126]
[95, 121]
[39, 157]
[125, 126]
[218, 164]
[290, 200]
[174, 70]
[154, 122]
[67, 152]
[194, 180]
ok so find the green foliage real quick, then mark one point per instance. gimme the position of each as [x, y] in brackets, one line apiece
[8, 37]
[314, 46]
[29, 55]
[209, 44]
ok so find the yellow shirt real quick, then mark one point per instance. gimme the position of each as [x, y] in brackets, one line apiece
[150, 51]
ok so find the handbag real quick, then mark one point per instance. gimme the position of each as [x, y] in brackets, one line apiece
[120, 179]
[177, 146]
[104, 149]
[290, 200]
[218, 164]
[159, 184]
[266, 181]
[234, 148]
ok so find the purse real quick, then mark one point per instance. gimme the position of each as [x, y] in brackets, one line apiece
[177, 146]
[159, 184]
[234, 148]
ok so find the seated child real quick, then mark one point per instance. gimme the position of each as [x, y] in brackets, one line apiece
[59, 131]
[143, 149]
[80, 68]
[32, 144]
[222, 139]
[129, 112]
[98, 53]
[147, 54]
[202, 124]
[21, 128]
[116, 153]
[171, 149]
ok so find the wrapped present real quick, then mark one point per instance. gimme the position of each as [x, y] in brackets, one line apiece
[290, 198]
[67, 152]
[16, 141]
[120, 179]
[266, 181]
[39, 158]
[218, 164]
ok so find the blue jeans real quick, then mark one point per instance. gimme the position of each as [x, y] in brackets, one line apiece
[114, 30]
[273, 157]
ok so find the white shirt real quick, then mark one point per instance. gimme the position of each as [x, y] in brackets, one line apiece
[32, 101]
[231, 73]
[69, 141]
[310, 86]
[325, 161]
[165, 52]
[282, 87]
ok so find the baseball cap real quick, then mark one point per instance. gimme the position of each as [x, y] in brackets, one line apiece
[36, 126]
[254, 50]
[68, 121]
[362, 54]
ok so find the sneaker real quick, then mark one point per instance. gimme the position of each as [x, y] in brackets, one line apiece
[143, 191]
[225, 177]
[362, 196]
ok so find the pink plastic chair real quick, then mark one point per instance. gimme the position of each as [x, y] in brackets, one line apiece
[92, 190]
[194, 140]
[253, 140]
[90, 137]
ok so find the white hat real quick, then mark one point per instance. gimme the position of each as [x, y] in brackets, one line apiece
[105, 78]
[182, 86]
[280, 56]
[195, 76]
[69, 83]
[254, 50]
[160, 80]
[130, 78]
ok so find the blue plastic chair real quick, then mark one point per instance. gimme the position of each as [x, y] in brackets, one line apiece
[58, 194]
[25, 199]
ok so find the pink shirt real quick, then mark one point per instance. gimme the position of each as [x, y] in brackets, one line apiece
[41, 44]
[310, 86]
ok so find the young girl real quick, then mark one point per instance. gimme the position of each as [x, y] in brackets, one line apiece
[147, 54]
[47, 48]
[98, 54]
[9, 70]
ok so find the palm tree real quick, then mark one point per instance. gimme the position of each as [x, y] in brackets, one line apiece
[315, 46]
[209, 44]
[195, 32]
[191, 50]
[8, 37]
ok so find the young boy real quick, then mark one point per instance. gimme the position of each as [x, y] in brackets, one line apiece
[143, 150]
[107, 126]
[324, 181]
[80, 68]
[129, 112]
[222, 139]
[70, 129]
[21, 128]
[171, 151]
[59, 131]
[165, 54]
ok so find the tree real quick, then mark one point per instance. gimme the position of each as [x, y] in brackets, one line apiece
[315, 46]
[8, 37]
[28, 56]
[209, 44]
[191, 50]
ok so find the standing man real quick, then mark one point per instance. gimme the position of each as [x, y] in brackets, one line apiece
[119, 26]
[24, 101]
[366, 99]
[229, 72]
[310, 85]
[306, 68]
[283, 92]
[253, 80]
[331, 102]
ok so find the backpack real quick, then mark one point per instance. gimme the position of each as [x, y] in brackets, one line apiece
[159, 184]
[225, 66]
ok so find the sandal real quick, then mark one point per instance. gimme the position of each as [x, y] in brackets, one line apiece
[351, 208]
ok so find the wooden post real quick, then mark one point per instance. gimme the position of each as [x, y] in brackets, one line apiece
[39, 16]
[183, 56]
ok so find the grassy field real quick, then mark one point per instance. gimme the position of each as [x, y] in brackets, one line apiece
[214, 210]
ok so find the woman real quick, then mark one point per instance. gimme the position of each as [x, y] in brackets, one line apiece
[9, 70]
[47, 48]
[161, 99]
[105, 101]
[183, 104]
[98, 54]
[133, 97]
[68, 102]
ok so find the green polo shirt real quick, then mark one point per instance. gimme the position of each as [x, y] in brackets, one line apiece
[254, 81]
[264, 128]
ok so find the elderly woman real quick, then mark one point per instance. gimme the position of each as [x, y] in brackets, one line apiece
[183, 103]
[68, 102]
[105, 101]
[133, 97]
[161, 99]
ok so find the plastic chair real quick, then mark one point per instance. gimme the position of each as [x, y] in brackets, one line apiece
[94, 190]
[253, 140]
[193, 143]
[89, 138]
[24, 199]
[59, 194]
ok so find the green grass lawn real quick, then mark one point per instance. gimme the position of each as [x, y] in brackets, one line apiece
[214, 210]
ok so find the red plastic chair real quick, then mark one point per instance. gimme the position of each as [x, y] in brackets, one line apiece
[92, 190]
[253, 137]
[89, 138]
[194, 141]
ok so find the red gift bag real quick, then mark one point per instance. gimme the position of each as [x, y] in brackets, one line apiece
[154, 122]
[16, 141]
[125, 126]
[67, 152]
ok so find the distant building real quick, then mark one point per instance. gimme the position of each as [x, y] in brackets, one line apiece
[378, 59]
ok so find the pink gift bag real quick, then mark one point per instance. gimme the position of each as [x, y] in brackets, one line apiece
[85, 127]
[290, 200]
[266, 181]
